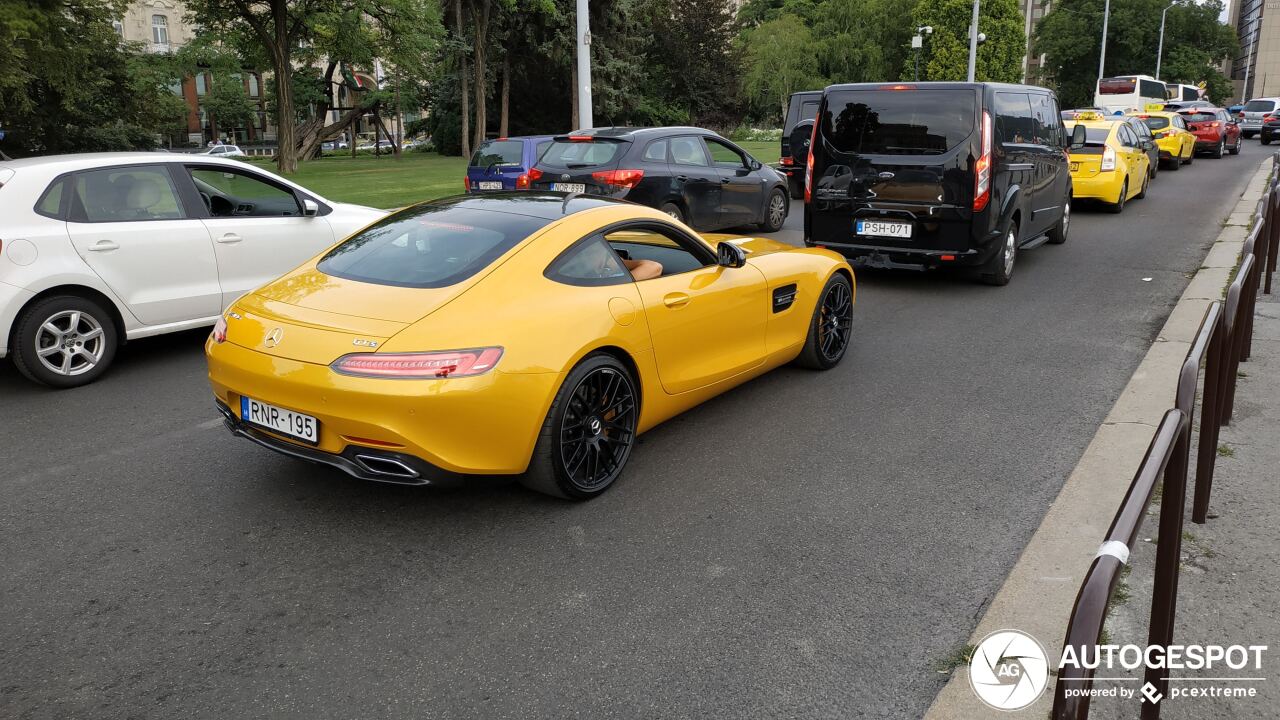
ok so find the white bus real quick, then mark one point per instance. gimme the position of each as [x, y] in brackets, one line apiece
[1130, 93]
[1182, 93]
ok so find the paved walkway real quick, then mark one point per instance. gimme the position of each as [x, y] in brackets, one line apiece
[1229, 590]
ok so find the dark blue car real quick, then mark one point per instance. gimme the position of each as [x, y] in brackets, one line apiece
[503, 164]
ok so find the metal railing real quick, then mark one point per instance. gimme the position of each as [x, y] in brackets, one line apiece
[1223, 341]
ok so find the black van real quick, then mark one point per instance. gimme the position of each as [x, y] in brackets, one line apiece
[797, 128]
[924, 175]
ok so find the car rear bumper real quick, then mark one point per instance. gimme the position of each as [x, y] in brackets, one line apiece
[898, 258]
[12, 298]
[482, 425]
[1103, 186]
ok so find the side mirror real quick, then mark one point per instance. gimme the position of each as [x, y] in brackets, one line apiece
[310, 207]
[755, 164]
[729, 255]
[1078, 137]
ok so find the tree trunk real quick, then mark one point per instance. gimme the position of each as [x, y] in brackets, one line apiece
[481, 82]
[506, 97]
[395, 146]
[463, 78]
[282, 64]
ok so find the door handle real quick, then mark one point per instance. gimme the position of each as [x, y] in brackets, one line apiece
[675, 300]
[724, 180]
[682, 178]
[230, 238]
[103, 246]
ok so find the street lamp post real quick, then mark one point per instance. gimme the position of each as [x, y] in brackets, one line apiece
[917, 42]
[584, 67]
[1102, 58]
[973, 40]
[1160, 46]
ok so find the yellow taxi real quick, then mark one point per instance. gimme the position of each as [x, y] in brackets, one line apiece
[1111, 165]
[1177, 144]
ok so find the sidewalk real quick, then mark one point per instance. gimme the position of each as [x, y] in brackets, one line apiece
[1229, 589]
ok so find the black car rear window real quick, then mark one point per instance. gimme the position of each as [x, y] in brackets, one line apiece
[428, 246]
[498, 152]
[574, 154]
[898, 122]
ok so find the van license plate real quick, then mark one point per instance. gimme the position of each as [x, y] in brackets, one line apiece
[569, 187]
[882, 228]
[490, 185]
[277, 419]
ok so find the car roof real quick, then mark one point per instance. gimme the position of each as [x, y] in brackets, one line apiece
[956, 85]
[81, 161]
[540, 204]
[634, 133]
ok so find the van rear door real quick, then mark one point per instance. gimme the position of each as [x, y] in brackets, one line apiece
[895, 155]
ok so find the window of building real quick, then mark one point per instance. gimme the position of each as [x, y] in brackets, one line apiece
[254, 89]
[159, 29]
[118, 26]
[202, 84]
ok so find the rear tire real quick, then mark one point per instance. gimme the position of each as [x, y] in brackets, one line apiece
[831, 328]
[1058, 234]
[673, 210]
[999, 269]
[589, 431]
[1190, 158]
[775, 211]
[1222, 147]
[1174, 165]
[1143, 192]
[1118, 207]
[64, 341]
[1235, 149]
[1265, 140]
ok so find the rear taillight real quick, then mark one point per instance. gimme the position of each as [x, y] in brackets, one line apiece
[580, 138]
[534, 175]
[620, 178]
[219, 333]
[1215, 124]
[808, 165]
[1108, 160]
[982, 174]
[466, 184]
[897, 87]
[419, 365]
[786, 161]
[522, 182]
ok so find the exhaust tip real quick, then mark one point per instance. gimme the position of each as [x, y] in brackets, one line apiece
[386, 467]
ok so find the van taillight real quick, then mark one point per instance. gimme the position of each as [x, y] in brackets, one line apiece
[982, 169]
[808, 167]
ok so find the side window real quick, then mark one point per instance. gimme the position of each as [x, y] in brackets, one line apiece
[1047, 120]
[646, 242]
[725, 156]
[689, 151]
[590, 263]
[50, 203]
[540, 149]
[1177, 122]
[227, 193]
[656, 151]
[1014, 123]
[124, 195]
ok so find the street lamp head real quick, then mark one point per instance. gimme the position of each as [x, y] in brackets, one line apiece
[925, 30]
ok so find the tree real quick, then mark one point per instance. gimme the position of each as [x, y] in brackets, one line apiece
[1194, 43]
[781, 59]
[945, 55]
[862, 40]
[67, 83]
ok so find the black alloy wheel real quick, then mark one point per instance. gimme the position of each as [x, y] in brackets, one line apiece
[831, 329]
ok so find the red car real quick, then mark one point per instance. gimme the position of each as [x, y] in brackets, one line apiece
[1215, 130]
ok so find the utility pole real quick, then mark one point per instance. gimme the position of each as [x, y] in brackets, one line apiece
[584, 66]
[1102, 58]
[973, 40]
[1160, 47]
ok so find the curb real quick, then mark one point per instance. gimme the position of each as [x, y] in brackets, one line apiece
[1040, 590]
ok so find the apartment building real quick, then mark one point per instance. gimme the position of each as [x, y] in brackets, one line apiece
[1257, 24]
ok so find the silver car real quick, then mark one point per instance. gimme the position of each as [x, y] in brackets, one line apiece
[1251, 123]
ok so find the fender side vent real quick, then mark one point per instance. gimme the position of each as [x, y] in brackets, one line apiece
[783, 297]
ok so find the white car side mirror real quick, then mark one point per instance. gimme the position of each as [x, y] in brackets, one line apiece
[310, 208]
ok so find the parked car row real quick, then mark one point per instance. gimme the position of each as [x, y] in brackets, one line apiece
[691, 174]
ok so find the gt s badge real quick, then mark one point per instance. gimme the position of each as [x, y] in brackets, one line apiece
[361, 342]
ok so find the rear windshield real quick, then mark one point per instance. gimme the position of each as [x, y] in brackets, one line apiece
[570, 154]
[898, 122]
[1199, 116]
[1095, 135]
[428, 246]
[1155, 122]
[498, 152]
[1260, 106]
[1117, 86]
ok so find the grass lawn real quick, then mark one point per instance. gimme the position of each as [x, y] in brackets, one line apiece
[384, 182]
[381, 182]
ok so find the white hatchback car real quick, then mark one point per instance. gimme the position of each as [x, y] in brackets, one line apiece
[99, 248]
[221, 150]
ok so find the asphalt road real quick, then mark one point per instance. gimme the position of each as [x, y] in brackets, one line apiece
[809, 545]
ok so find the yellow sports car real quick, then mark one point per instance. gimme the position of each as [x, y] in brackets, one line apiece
[1177, 144]
[521, 333]
[1112, 166]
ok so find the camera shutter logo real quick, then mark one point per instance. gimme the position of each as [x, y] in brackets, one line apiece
[1009, 670]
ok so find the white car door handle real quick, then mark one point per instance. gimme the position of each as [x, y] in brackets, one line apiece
[103, 246]
[229, 238]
